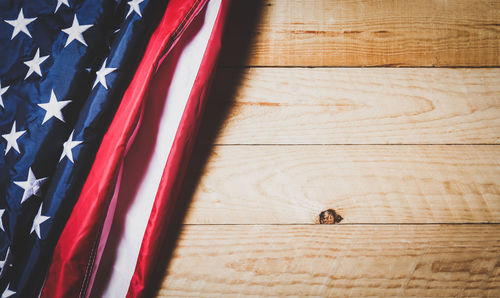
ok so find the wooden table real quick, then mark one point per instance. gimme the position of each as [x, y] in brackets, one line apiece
[405, 151]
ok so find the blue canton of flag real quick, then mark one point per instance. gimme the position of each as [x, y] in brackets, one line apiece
[64, 66]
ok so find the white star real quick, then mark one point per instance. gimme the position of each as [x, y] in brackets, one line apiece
[2, 91]
[75, 32]
[20, 24]
[134, 6]
[59, 2]
[39, 219]
[2, 211]
[102, 73]
[34, 64]
[7, 292]
[53, 108]
[67, 146]
[31, 186]
[12, 137]
[2, 262]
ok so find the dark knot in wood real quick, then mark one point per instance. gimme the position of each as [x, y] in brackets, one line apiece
[329, 217]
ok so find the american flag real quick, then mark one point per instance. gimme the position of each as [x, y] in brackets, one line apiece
[64, 67]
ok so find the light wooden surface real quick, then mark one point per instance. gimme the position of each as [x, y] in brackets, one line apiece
[295, 125]
[369, 33]
[366, 184]
[431, 261]
[357, 106]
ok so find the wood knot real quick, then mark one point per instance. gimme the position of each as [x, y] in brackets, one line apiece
[329, 217]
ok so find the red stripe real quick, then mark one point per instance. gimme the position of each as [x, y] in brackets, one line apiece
[177, 162]
[73, 256]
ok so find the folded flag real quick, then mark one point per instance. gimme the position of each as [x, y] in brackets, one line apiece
[64, 68]
[114, 235]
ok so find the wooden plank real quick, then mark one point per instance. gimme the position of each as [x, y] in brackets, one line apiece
[363, 33]
[354, 106]
[425, 261]
[365, 184]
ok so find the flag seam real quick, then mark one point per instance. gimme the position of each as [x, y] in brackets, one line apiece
[176, 33]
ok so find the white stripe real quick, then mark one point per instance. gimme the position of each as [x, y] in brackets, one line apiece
[136, 219]
[108, 220]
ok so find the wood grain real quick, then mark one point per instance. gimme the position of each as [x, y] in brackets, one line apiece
[430, 261]
[354, 106]
[363, 33]
[365, 184]
[408, 156]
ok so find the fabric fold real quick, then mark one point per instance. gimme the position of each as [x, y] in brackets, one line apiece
[74, 267]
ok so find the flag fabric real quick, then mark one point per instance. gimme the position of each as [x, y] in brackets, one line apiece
[115, 232]
[64, 68]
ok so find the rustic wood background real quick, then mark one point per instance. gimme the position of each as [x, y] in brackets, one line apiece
[406, 151]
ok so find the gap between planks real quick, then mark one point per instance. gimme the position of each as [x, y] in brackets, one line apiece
[349, 224]
[229, 67]
[375, 144]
